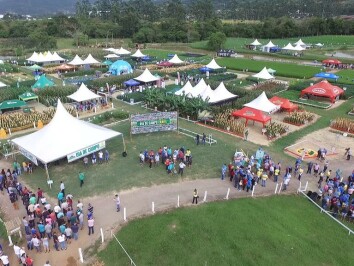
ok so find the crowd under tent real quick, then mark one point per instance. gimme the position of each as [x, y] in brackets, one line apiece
[323, 89]
[89, 60]
[185, 90]
[43, 82]
[138, 54]
[65, 67]
[146, 77]
[77, 61]
[268, 46]
[252, 114]
[2, 85]
[332, 62]
[263, 74]
[83, 94]
[213, 65]
[327, 75]
[263, 104]
[111, 56]
[175, 60]
[28, 96]
[284, 104]
[65, 136]
[120, 67]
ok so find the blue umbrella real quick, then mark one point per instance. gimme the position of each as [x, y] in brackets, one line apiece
[326, 75]
[131, 82]
[204, 69]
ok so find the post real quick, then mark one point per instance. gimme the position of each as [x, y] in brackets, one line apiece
[112, 105]
[205, 196]
[95, 109]
[77, 114]
[10, 131]
[102, 236]
[81, 257]
[178, 201]
[307, 183]
[299, 189]
[20, 233]
[125, 214]
[253, 190]
[10, 240]
[227, 194]
[34, 124]
[153, 207]
[276, 188]
[281, 185]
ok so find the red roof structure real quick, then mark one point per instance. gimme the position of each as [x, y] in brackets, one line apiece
[252, 114]
[165, 64]
[323, 89]
[332, 62]
[285, 104]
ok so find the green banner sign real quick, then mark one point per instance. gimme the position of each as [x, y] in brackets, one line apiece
[86, 151]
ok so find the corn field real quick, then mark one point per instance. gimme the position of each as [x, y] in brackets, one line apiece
[226, 122]
[299, 118]
[343, 124]
[274, 129]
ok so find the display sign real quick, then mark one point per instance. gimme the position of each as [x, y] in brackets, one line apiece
[86, 151]
[153, 122]
[28, 155]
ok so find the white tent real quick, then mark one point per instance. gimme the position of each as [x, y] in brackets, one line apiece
[266, 48]
[111, 49]
[109, 56]
[2, 84]
[146, 77]
[263, 104]
[263, 74]
[121, 51]
[83, 94]
[288, 47]
[221, 94]
[271, 71]
[213, 65]
[300, 42]
[208, 93]
[319, 44]
[198, 89]
[298, 47]
[33, 57]
[138, 54]
[255, 43]
[175, 60]
[186, 89]
[90, 60]
[77, 61]
[57, 57]
[64, 136]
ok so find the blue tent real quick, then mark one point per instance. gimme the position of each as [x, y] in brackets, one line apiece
[326, 75]
[120, 67]
[146, 58]
[131, 82]
[204, 69]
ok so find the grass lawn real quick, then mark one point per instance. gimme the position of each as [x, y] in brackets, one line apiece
[283, 69]
[281, 230]
[346, 76]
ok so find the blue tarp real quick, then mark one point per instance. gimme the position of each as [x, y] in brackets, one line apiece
[205, 69]
[131, 82]
[326, 75]
[146, 58]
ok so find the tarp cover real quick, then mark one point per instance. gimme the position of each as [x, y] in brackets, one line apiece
[255, 43]
[252, 114]
[221, 94]
[263, 104]
[131, 82]
[83, 94]
[326, 75]
[64, 134]
[323, 89]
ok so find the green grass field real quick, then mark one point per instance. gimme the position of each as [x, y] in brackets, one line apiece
[283, 69]
[282, 230]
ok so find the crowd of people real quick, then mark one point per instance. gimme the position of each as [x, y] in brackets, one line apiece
[173, 160]
[90, 105]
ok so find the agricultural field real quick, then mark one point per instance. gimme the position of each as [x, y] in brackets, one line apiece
[283, 69]
[252, 233]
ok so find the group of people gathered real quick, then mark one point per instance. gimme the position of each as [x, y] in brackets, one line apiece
[173, 160]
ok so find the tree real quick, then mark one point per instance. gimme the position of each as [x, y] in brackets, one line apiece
[83, 8]
[216, 40]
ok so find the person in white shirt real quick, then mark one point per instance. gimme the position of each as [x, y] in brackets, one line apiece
[181, 168]
[100, 156]
[91, 223]
[62, 187]
[17, 251]
[36, 243]
[80, 205]
[57, 209]
[117, 200]
[5, 260]
[47, 263]
[62, 241]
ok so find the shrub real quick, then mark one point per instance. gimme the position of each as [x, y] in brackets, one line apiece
[299, 118]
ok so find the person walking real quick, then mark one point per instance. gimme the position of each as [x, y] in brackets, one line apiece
[223, 171]
[197, 138]
[301, 171]
[45, 242]
[348, 153]
[246, 134]
[81, 178]
[62, 241]
[100, 157]
[75, 230]
[181, 168]
[5, 260]
[56, 241]
[195, 196]
[62, 188]
[203, 139]
[309, 168]
[91, 223]
[117, 200]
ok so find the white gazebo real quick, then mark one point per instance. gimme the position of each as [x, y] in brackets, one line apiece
[121, 51]
[83, 94]
[300, 42]
[65, 136]
[255, 43]
[33, 57]
[268, 46]
[263, 104]
[288, 47]
[138, 54]
[89, 60]
[186, 89]
[299, 48]
[111, 56]
[198, 89]
[221, 94]
[77, 61]
[263, 74]
[213, 65]
[175, 60]
[146, 77]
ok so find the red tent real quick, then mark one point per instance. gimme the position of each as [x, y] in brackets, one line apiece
[323, 89]
[165, 64]
[332, 62]
[284, 103]
[252, 114]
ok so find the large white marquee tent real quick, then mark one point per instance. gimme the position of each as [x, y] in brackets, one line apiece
[175, 60]
[77, 61]
[138, 54]
[213, 65]
[83, 94]
[263, 74]
[263, 104]
[146, 77]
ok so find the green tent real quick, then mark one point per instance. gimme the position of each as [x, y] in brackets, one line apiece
[43, 82]
[35, 67]
[107, 63]
[11, 104]
[28, 96]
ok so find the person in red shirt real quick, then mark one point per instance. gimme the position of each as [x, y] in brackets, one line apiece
[29, 261]
[39, 194]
